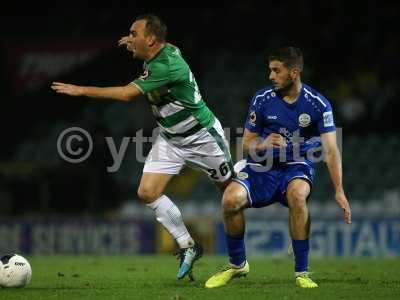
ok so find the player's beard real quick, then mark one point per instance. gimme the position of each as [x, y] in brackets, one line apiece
[286, 86]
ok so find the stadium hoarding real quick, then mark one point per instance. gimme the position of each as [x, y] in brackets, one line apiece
[77, 237]
[329, 238]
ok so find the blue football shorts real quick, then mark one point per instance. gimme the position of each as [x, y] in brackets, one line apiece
[268, 187]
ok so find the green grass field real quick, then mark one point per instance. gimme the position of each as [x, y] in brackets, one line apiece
[153, 277]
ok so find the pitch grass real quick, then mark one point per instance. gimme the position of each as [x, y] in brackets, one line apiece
[153, 277]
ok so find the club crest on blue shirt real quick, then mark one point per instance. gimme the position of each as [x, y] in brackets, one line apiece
[304, 120]
[252, 118]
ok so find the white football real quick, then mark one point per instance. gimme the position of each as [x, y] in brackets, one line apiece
[15, 271]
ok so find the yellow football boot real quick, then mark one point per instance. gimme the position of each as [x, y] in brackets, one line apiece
[224, 276]
[304, 281]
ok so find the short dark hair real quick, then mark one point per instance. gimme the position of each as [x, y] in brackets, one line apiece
[289, 56]
[155, 26]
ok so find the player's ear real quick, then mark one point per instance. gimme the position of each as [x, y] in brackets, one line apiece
[151, 39]
[295, 72]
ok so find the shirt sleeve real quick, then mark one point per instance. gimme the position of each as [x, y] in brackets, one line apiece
[326, 122]
[153, 78]
[254, 121]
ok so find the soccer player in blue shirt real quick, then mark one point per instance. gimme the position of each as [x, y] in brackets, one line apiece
[286, 126]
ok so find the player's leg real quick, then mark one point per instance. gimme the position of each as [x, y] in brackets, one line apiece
[297, 194]
[162, 163]
[151, 191]
[234, 201]
[211, 155]
[207, 157]
[252, 187]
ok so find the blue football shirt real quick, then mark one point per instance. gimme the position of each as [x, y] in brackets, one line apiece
[301, 123]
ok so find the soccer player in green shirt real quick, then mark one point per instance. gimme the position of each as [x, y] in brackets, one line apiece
[190, 134]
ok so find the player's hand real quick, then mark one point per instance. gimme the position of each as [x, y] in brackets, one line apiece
[274, 140]
[344, 204]
[68, 89]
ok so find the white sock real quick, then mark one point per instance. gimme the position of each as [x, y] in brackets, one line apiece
[297, 274]
[238, 266]
[168, 214]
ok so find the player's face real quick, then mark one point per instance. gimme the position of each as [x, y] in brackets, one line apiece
[138, 41]
[280, 76]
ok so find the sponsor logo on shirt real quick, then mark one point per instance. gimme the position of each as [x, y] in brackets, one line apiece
[286, 133]
[272, 117]
[304, 120]
[328, 119]
[252, 118]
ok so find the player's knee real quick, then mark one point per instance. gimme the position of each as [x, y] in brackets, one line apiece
[230, 202]
[233, 200]
[148, 194]
[297, 198]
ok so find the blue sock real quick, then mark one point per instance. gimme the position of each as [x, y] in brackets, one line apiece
[236, 249]
[300, 250]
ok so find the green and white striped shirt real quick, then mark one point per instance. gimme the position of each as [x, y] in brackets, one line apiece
[174, 94]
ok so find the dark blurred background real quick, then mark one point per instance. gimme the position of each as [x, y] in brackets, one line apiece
[351, 51]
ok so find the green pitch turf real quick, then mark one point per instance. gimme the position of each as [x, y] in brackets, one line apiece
[153, 277]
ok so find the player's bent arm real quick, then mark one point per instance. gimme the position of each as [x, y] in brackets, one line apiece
[253, 143]
[332, 157]
[121, 93]
[250, 142]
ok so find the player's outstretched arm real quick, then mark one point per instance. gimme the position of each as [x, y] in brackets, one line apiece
[334, 164]
[121, 93]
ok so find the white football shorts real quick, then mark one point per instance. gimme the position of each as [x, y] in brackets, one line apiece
[207, 150]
